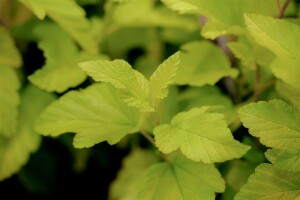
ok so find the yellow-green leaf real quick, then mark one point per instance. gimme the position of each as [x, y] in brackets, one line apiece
[181, 179]
[119, 73]
[126, 185]
[9, 101]
[15, 150]
[9, 54]
[201, 135]
[268, 184]
[202, 63]
[283, 39]
[276, 123]
[70, 16]
[162, 77]
[62, 56]
[287, 160]
[95, 114]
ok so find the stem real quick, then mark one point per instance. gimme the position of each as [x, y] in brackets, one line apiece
[278, 4]
[151, 140]
[148, 137]
[4, 18]
[282, 9]
[257, 90]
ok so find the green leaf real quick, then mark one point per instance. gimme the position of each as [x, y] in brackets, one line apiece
[182, 6]
[203, 63]
[136, 89]
[201, 136]
[62, 56]
[15, 150]
[70, 16]
[250, 53]
[254, 156]
[9, 54]
[207, 96]
[162, 77]
[268, 183]
[118, 42]
[282, 38]
[87, 2]
[120, 1]
[224, 17]
[126, 185]
[145, 13]
[181, 179]
[236, 176]
[95, 114]
[287, 92]
[276, 123]
[9, 101]
[287, 160]
[119, 73]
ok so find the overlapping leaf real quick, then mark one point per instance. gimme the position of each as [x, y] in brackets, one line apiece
[127, 184]
[283, 39]
[9, 54]
[95, 114]
[287, 93]
[62, 55]
[201, 135]
[137, 91]
[268, 183]
[120, 74]
[69, 16]
[250, 53]
[287, 160]
[9, 101]
[144, 13]
[276, 123]
[203, 63]
[15, 150]
[222, 18]
[236, 175]
[181, 179]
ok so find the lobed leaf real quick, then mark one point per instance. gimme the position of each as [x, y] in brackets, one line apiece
[145, 13]
[250, 53]
[70, 16]
[136, 89]
[62, 56]
[181, 179]
[119, 73]
[276, 123]
[95, 114]
[287, 160]
[222, 18]
[282, 38]
[200, 135]
[269, 183]
[126, 185]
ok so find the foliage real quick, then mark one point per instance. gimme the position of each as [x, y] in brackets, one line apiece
[203, 95]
